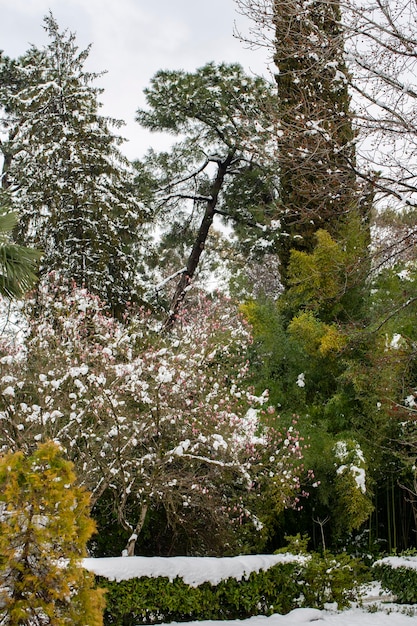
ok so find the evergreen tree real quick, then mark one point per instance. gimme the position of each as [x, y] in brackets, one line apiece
[64, 170]
[217, 169]
[44, 526]
[307, 342]
[343, 352]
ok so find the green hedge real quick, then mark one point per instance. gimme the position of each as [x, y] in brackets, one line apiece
[153, 600]
[280, 589]
[401, 580]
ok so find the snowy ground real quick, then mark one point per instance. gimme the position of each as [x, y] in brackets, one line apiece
[376, 610]
[351, 617]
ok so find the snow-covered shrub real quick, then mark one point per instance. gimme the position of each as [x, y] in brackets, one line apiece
[325, 577]
[398, 575]
[332, 578]
[147, 600]
[196, 589]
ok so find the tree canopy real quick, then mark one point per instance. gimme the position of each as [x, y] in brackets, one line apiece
[63, 170]
[226, 418]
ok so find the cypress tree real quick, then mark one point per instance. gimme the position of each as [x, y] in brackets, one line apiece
[316, 152]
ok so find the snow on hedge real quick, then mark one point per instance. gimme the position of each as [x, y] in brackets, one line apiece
[409, 562]
[194, 571]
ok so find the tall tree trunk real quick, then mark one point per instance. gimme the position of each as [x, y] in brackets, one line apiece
[316, 150]
[199, 243]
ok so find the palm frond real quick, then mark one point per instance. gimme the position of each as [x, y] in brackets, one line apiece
[18, 267]
[8, 221]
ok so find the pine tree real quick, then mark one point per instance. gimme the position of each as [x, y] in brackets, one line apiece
[44, 527]
[64, 170]
[217, 169]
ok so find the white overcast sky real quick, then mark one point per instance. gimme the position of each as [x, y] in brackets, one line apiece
[133, 39]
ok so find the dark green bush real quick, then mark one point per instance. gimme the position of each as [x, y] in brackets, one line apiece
[400, 581]
[330, 578]
[325, 577]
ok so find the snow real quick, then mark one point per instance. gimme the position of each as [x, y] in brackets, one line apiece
[342, 453]
[301, 380]
[197, 570]
[396, 342]
[194, 571]
[399, 561]
[359, 476]
[353, 617]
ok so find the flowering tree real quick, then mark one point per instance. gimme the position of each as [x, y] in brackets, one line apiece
[153, 419]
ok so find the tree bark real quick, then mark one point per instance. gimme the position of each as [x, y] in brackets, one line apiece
[199, 243]
[130, 547]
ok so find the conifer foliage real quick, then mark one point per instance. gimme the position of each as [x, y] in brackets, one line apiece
[64, 171]
[218, 166]
[44, 527]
